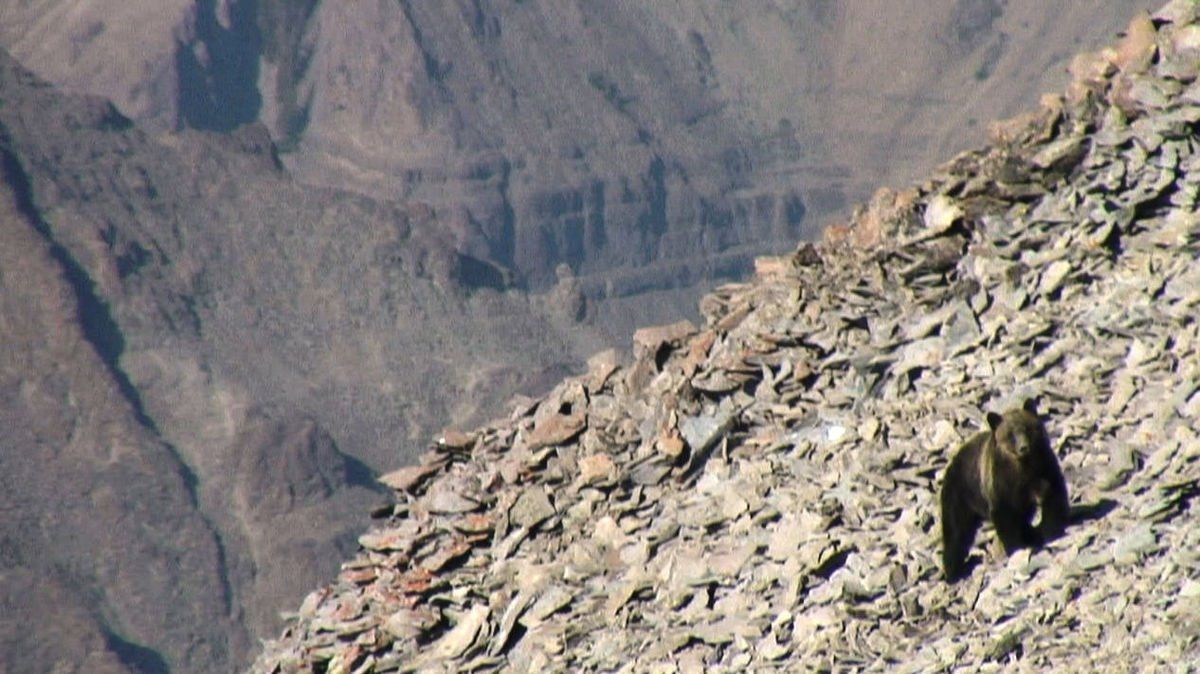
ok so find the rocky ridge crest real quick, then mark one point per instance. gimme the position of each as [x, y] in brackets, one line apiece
[759, 492]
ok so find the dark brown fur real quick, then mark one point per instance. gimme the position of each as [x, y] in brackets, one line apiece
[1002, 474]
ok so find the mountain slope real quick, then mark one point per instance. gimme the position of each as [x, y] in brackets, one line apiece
[99, 525]
[247, 347]
[760, 492]
[646, 146]
[203, 360]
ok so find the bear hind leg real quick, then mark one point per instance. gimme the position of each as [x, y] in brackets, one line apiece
[959, 525]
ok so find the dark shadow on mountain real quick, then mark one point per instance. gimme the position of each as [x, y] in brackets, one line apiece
[476, 273]
[1087, 512]
[135, 656]
[218, 73]
[281, 25]
[95, 317]
[359, 474]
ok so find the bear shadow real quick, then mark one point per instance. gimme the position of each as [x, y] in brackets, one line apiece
[1088, 512]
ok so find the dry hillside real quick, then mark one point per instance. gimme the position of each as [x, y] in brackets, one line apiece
[255, 252]
[759, 492]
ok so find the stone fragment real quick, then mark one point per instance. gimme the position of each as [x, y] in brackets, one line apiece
[1053, 277]
[443, 498]
[444, 555]
[395, 539]
[1133, 544]
[650, 474]
[531, 508]
[455, 440]
[411, 623]
[512, 613]
[772, 267]
[463, 636]
[670, 445]
[717, 381]
[1060, 154]
[1090, 67]
[1179, 12]
[922, 353]
[702, 432]
[597, 468]
[1186, 39]
[646, 341]
[556, 430]
[941, 213]
[1135, 51]
[408, 478]
[601, 366]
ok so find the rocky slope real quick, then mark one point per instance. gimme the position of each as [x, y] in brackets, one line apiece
[210, 357]
[759, 493]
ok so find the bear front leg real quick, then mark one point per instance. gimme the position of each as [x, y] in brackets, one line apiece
[1014, 529]
[1056, 508]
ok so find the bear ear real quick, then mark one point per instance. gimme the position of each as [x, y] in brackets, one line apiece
[1030, 405]
[994, 420]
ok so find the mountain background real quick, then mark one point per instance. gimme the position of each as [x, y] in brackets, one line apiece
[254, 253]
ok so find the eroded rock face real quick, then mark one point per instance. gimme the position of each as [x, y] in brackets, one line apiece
[284, 464]
[759, 492]
[645, 146]
[122, 51]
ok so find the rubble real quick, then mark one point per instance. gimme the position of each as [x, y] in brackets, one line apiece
[760, 492]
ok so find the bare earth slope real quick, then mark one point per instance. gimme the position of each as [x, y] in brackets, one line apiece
[760, 492]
